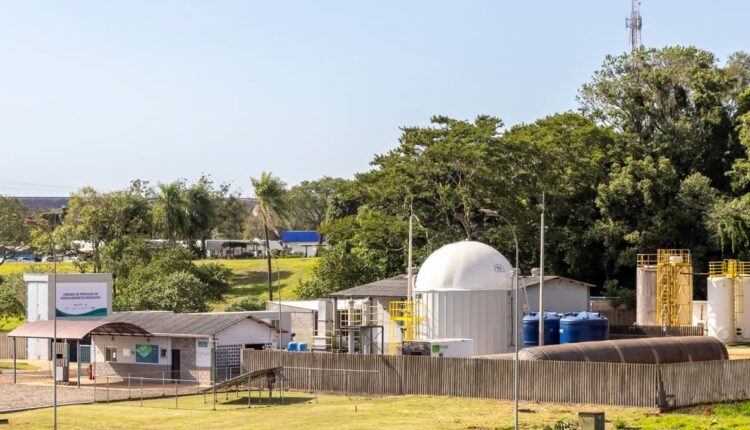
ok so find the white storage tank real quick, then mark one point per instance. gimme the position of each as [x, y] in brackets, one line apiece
[720, 308]
[466, 289]
[743, 316]
[645, 288]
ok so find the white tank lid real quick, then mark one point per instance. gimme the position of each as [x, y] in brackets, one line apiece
[466, 265]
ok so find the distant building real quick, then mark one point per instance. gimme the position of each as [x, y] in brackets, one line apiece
[298, 242]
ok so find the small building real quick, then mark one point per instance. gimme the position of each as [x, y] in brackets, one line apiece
[298, 242]
[561, 294]
[363, 311]
[179, 344]
[303, 316]
[74, 296]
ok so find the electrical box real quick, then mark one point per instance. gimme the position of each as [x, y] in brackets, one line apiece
[61, 368]
[591, 420]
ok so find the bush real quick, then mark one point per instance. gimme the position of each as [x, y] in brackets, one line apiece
[216, 276]
[12, 296]
[247, 304]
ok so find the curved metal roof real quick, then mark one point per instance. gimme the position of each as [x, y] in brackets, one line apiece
[76, 329]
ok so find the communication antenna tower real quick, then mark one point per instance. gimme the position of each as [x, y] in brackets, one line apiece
[635, 24]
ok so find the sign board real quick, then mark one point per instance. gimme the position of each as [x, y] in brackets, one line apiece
[82, 299]
[147, 353]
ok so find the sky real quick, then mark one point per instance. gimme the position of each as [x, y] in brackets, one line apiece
[100, 93]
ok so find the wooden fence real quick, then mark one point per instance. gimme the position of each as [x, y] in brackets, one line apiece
[6, 347]
[544, 381]
[619, 316]
[636, 331]
[642, 385]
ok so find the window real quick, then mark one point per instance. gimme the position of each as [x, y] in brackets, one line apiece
[275, 322]
[110, 353]
[202, 344]
[163, 353]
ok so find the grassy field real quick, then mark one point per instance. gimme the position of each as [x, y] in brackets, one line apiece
[19, 365]
[22, 267]
[303, 410]
[249, 278]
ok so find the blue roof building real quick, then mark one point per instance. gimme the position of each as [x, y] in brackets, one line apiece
[300, 237]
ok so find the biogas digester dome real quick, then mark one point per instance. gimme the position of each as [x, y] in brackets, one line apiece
[466, 288]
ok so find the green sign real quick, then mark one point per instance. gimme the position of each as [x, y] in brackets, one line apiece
[147, 353]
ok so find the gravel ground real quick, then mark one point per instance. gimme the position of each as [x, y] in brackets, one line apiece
[34, 392]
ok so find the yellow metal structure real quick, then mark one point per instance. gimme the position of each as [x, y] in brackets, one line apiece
[362, 317]
[735, 270]
[406, 319]
[674, 287]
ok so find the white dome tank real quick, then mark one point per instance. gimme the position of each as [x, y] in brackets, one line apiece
[466, 288]
[466, 265]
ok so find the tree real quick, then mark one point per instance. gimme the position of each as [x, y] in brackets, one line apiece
[14, 231]
[337, 269]
[232, 217]
[12, 296]
[94, 219]
[308, 202]
[272, 206]
[170, 208]
[200, 213]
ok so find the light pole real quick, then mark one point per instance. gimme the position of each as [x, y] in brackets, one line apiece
[517, 367]
[54, 316]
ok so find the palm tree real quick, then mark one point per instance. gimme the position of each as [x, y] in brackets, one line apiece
[272, 204]
[171, 204]
[200, 210]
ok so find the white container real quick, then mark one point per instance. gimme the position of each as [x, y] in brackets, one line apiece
[441, 347]
[720, 308]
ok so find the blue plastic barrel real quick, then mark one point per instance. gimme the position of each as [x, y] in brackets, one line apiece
[583, 327]
[303, 347]
[291, 346]
[531, 329]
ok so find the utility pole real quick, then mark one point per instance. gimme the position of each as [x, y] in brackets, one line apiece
[541, 277]
[409, 269]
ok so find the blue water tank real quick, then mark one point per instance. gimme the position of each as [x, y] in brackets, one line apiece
[303, 347]
[531, 329]
[291, 346]
[583, 327]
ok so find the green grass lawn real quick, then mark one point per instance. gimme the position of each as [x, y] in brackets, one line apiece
[25, 267]
[20, 365]
[249, 278]
[303, 410]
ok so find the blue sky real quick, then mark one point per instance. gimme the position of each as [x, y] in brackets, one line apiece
[102, 92]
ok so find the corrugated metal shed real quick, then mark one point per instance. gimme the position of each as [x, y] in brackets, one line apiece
[392, 287]
[300, 237]
[166, 323]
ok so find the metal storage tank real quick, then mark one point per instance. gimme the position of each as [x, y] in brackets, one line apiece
[743, 313]
[720, 308]
[645, 290]
[656, 350]
[466, 291]
[583, 327]
[531, 329]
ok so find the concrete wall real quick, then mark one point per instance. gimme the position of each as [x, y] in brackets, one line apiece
[303, 321]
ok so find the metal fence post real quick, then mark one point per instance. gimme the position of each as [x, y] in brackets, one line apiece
[163, 385]
[128, 385]
[175, 394]
[248, 391]
[107, 379]
[309, 380]
[141, 392]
